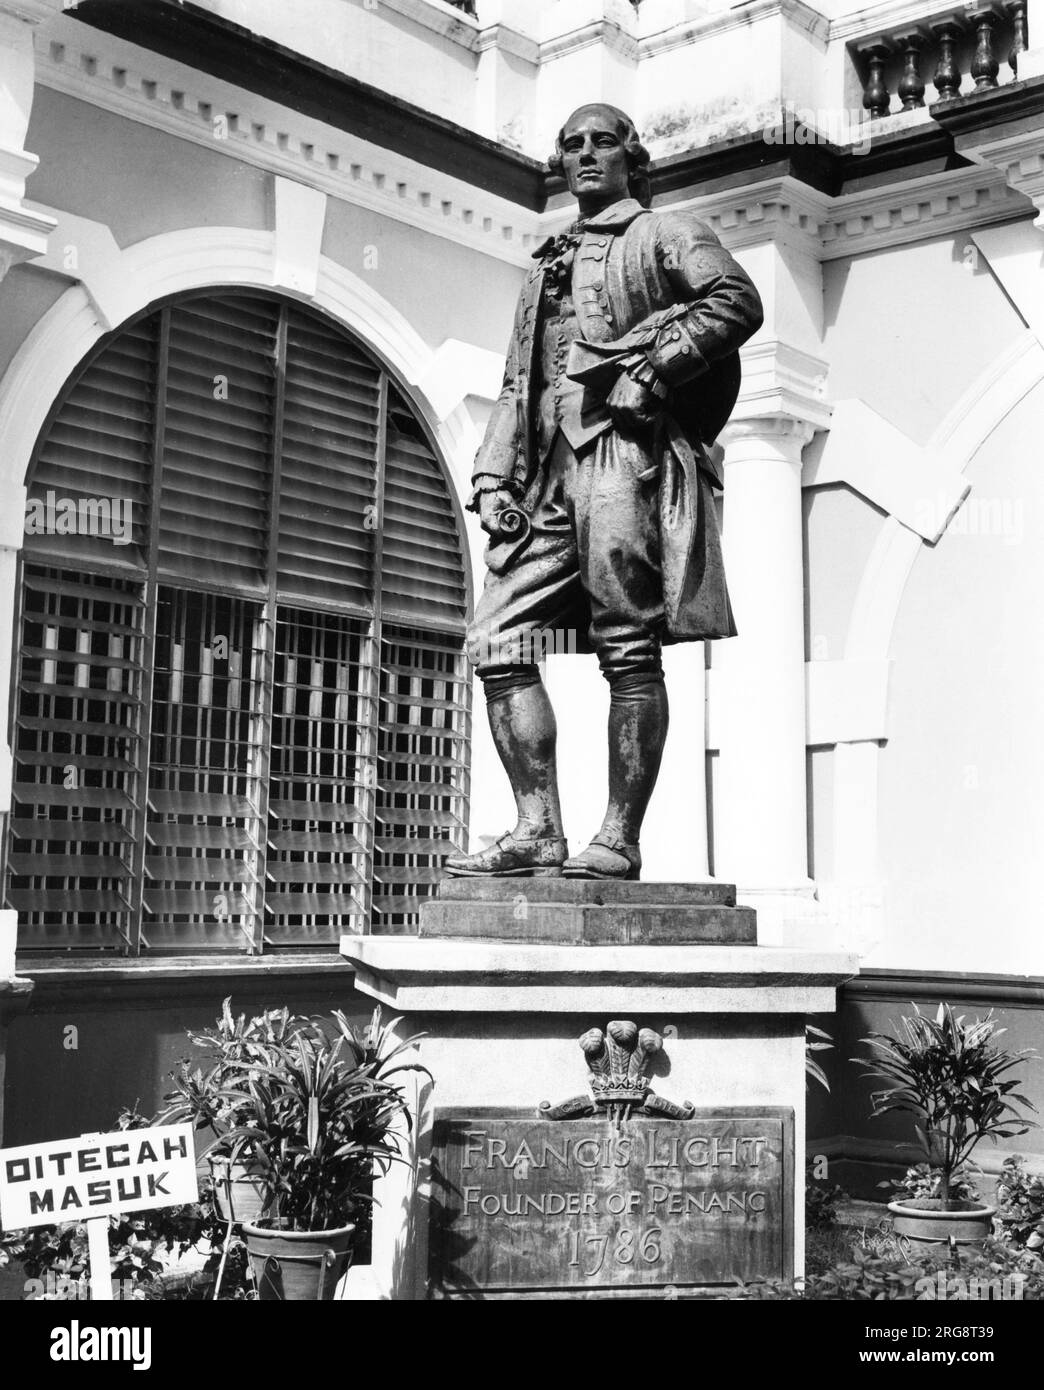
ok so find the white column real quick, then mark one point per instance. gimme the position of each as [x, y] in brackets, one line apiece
[505, 80]
[22, 233]
[760, 832]
[1031, 63]
[12, 500]
[674, 837]
[588, 52]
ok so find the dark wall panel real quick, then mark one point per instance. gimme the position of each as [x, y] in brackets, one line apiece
[125, 1047]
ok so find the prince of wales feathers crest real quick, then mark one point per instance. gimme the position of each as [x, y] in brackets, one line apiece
[617, 1064]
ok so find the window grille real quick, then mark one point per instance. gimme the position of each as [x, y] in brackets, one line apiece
[242, 721]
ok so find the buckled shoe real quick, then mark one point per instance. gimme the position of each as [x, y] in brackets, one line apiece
[605, 857]
[511, 858]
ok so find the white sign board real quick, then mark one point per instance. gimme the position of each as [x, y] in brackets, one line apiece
[97, 1175]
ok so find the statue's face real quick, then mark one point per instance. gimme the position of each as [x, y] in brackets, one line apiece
[594, 158]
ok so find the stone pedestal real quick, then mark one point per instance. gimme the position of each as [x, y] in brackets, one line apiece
[503, 1016]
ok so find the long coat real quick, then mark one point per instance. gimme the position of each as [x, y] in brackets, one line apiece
[660, 283]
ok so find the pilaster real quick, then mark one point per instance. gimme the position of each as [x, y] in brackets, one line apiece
[23, 232]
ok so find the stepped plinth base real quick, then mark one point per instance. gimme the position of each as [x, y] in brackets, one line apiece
[591, 912]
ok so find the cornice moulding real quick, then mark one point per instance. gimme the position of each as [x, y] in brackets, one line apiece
[196, 41]
[441, 19]
[23, 229]
[975, 114]
[933, 205]
[884, 18]
[741, 215]
[1017, 151]
[95, 66]
[156, 92]
[30, 11]
[805, 18]
[781, 382]
[510, 41]
[603, 31]
[491, 976]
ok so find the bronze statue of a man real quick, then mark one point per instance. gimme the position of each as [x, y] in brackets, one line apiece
[595, 487]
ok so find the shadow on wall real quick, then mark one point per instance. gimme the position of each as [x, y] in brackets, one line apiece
[72, 1066]
[860, 1152]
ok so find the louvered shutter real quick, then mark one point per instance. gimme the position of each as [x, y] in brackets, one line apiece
[423, 736]
[78, 759]
[98, 450]
[320, 807]
[235, 744]
[422, 565]
[327, 505]
[203, 835]
[217, 436]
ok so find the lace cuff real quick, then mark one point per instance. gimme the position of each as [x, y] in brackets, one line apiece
[640, 369]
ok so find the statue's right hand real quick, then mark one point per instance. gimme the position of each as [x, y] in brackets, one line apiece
[490, 504]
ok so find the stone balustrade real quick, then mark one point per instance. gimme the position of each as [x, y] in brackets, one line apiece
[969, 49]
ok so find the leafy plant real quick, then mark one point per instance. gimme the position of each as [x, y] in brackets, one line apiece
[1021, 1199]
[55, 1255]
[816, 1041]
[203, 1095]
[954, 1077]
[140, 1245]
[922, 1183]
[821, 1204]
[314, 1114]
[867, 1275]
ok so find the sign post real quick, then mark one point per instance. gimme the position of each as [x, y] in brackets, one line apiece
[98, 1249]
[94, 1177]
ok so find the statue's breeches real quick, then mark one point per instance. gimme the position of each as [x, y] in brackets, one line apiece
[589, 576]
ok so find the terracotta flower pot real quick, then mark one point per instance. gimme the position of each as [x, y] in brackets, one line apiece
[239, 1190]
[297, 1266]
[928, 1223]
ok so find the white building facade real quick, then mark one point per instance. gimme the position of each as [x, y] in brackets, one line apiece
[864, 760]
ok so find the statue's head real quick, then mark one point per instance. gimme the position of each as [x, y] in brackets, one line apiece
[599, 153]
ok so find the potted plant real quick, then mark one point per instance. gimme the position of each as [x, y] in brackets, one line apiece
[921, 1182]
[954, 1077]
[316, 1113]
[202, 1095]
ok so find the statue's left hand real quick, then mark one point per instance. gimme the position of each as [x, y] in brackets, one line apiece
[632, 405]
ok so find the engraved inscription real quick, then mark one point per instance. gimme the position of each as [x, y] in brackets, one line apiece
[521, 1204]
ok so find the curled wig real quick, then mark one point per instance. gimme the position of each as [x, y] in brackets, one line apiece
[639, 185]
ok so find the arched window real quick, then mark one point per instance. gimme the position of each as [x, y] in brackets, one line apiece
[242, 709]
